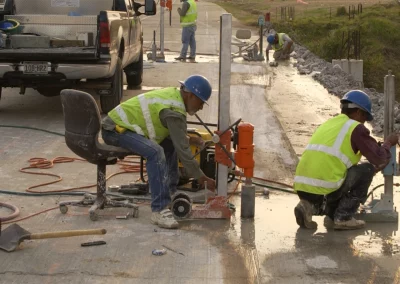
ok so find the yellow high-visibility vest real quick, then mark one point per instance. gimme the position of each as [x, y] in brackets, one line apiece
[141, 114]
[323, 166]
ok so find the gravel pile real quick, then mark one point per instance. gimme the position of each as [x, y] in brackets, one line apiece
[338, 82]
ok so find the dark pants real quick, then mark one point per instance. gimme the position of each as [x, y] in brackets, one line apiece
[343, 203]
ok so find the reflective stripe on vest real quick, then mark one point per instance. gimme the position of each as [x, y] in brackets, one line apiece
[124, 119]
[144, 103]
[280, 43]
[141, 113]
[319, 182]
[191, 15]
[335, 149]
[334, 160]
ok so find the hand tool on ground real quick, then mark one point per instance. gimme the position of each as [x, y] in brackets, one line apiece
[13, 235]
[95, 243]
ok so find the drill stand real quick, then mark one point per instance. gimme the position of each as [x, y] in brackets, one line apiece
[383, 210]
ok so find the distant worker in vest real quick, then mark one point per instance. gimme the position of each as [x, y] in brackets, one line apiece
[153, 125]
[188, 19]
[282, 44]
[329, 179]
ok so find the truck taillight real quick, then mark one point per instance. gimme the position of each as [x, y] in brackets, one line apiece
[104, 34]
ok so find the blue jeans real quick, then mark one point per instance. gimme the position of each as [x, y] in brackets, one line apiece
[161, 163]
[188, 39]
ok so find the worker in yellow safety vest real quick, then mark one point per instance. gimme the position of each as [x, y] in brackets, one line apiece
[188, 19]
[282, 45]
[153, 125]
[329, 179]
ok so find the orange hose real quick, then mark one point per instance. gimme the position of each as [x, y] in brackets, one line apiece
[30, 216]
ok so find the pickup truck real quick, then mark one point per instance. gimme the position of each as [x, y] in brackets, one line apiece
[81, 44]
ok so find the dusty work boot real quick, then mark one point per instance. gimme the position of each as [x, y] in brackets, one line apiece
[164, 219]
[303, 212]
[328, 222]
[351, 224]
[180, 58]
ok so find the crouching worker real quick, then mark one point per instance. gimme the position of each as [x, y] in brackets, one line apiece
[153, 125]
[282, 45]
[329, 179]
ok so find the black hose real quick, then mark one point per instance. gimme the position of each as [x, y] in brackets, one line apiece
[76, 193]
[272, 187]
[372, 190]
[32, 128]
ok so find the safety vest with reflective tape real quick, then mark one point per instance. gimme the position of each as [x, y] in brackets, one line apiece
[141, 114]
[280, 43]
[191, 15]
[323, 166]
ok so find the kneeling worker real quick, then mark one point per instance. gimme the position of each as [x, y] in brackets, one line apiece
[329, 181]
[282, 44]
[153, 125]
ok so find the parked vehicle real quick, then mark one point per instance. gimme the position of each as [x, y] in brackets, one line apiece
[82, 44]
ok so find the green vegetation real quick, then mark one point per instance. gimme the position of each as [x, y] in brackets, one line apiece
[322, 31]
[341, 11]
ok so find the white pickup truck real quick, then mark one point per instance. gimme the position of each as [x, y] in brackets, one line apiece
[81, 44]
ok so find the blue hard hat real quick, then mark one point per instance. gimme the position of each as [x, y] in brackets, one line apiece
[360, 99]
[271, 39]
[199, 86]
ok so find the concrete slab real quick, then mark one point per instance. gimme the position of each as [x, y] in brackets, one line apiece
[283, 106]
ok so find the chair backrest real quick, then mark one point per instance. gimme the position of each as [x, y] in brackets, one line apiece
[243, 34]
[82, 123]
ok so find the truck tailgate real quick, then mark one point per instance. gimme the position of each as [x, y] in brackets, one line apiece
[49, 54]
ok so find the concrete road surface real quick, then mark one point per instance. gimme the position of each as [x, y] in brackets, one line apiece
[284, 108]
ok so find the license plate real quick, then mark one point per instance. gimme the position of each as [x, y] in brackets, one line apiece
[36, 67]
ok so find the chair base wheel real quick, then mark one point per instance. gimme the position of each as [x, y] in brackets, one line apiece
[99, 203]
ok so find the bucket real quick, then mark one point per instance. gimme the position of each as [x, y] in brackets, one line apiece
[10, 26]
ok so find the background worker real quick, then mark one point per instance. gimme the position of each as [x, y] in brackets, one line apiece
[282, 44]
[329, 181]
[188, 19]
[153, 125]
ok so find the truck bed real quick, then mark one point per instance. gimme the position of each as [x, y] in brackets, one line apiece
[49, 54]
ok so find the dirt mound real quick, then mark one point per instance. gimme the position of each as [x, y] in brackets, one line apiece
[338, 82]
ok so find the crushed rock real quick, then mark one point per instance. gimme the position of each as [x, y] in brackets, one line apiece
[338, 82]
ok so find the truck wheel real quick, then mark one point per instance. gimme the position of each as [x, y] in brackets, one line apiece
[110, 101]
[134, 72]
[49, 91]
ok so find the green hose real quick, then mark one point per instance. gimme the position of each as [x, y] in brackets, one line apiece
[32, 128]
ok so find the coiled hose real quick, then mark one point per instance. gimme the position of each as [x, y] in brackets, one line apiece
[13, 215]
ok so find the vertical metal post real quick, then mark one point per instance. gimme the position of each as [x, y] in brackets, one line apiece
[154, 48]
[348, 45]
[162, 29]
[224, 92]
[388, 126]
[261, 42]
